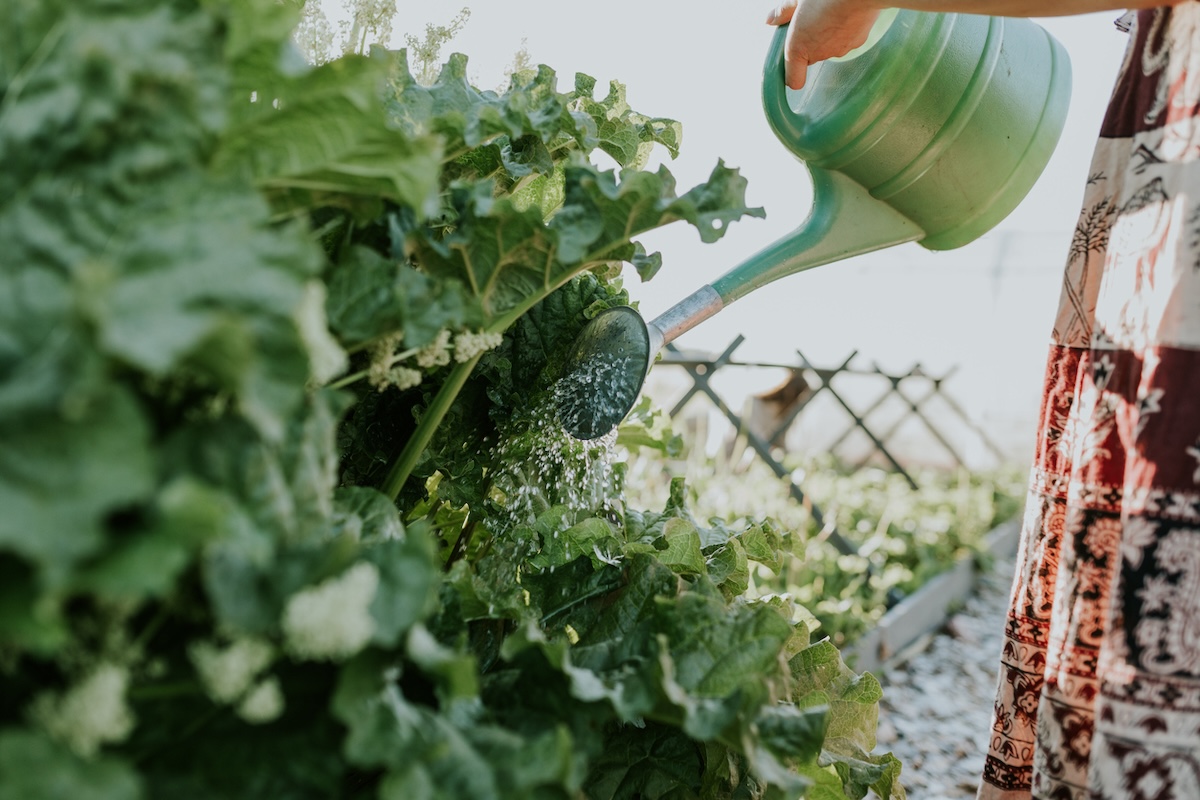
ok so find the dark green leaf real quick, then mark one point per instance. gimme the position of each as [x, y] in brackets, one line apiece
[626, 136]
[650, 763]
[862, 773]
[29, 620]
[509, 259]
[646, 264]
[387, 729]
[793, 733]
[727, 568]
[760, 547]
[468, 117]
[456, 672]
[147, 562]
[223, 302]
[370, 296]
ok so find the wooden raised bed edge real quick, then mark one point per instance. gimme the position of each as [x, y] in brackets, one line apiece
[906, 627]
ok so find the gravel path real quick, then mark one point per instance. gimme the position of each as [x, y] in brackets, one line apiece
[936, 711]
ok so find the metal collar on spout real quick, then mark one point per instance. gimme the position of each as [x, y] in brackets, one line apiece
[682, 317]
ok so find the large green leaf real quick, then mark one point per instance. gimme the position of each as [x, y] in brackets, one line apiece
[64, 474]
[173, 473]
[822, 679]
[407, 585]
[624, 134]
[371, 296]
[125, 97]
[509, 259]
[35, 768]
[427, 753]
[683, 547]
[468, 117]
[650, 763]
[222, 302]
[319, 137]
[369, 514]
[146, 562]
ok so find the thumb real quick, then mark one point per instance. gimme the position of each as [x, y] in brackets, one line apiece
[795, 71]
[795, 59]
[782, 14]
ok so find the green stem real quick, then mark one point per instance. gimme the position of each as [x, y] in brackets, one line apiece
[578, 601]
[403, 466]
[349, 379]
[362, 373]
[151, 628]
[17, 83]
[502, 323]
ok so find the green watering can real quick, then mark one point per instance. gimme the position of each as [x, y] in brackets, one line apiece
[931, 132]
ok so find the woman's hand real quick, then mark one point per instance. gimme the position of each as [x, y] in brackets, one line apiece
[821, 29]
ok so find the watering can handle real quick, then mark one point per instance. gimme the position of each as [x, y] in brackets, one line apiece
[787, 124]
[845, 219]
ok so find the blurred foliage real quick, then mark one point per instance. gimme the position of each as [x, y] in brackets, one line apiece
[903, 536]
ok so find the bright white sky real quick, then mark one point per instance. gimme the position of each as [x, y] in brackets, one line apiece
[987, 307]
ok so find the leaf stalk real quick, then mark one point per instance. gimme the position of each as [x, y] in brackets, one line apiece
[404, 464]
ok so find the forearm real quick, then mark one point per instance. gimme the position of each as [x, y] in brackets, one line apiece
[821, 29]
[1016, 8]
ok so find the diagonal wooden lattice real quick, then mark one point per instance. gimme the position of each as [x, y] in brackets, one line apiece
[701, 368]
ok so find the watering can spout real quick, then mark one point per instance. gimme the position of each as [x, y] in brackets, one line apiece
[845, 221]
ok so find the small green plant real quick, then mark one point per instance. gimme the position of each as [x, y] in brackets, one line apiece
[903, 537]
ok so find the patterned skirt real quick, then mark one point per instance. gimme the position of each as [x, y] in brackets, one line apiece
[1099, 685]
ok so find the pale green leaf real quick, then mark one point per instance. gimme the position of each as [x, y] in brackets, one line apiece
[683, 547]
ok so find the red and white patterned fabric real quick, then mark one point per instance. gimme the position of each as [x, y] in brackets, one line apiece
[1099, 686]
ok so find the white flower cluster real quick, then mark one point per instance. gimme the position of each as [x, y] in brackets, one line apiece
[381, 377]
[404, 377]
[91, 713]
[467, 345]
[227, 674]
[332, 620]
[383, 371]
[263, 703]
[436, 353]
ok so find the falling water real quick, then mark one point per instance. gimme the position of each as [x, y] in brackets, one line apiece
[597, 393]
[544, 467]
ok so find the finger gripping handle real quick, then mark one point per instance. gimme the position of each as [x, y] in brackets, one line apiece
[786, 123]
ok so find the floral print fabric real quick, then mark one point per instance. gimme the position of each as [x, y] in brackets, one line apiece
[1099, 685]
